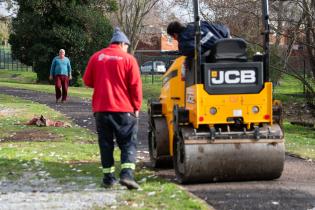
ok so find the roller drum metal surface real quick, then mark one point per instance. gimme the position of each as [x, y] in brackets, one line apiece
[159, 143]
[229, 161]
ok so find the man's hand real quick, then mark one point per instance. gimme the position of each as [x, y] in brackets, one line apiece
[70, 77]
[50, 77]
[137, 113]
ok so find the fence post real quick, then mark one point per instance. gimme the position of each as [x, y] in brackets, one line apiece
[11, 62]
[1, 58]
[304, 75]
[4, 61]
[152, 72]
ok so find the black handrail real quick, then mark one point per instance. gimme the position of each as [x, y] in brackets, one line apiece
[266, 33]
[197, 55]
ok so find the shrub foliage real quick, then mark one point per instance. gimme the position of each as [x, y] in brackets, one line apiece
[42, 27]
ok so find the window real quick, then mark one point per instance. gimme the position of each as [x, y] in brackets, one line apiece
[169, 40]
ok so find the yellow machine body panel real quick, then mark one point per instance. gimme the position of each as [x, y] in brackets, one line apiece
[172, 93]
[199, 102]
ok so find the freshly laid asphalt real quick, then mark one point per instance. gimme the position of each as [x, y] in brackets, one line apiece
[295, 189]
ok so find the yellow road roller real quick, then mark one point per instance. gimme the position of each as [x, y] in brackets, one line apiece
[217, 121]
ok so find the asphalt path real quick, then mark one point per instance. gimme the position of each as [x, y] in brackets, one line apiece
[295, 189]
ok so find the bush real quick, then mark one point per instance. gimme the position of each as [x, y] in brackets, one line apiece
[42, 27]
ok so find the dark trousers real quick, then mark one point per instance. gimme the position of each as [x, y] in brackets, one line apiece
[124, 127]
[61, 82]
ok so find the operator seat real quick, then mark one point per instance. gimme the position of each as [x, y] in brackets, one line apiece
[227, 51]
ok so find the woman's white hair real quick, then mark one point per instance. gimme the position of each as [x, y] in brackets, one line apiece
[62, 50]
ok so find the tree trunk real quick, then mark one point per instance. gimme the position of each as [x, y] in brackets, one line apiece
[279, 24]
[310, 33]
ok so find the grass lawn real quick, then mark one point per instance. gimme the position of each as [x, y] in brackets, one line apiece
[26, 80]
[71, 155]
[299, 140]
[290, 90]
[27, 77]
[28, 144]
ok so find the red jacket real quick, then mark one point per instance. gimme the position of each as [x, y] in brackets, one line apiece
[116, 80]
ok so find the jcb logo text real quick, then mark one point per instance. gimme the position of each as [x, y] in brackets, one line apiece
[233, 77]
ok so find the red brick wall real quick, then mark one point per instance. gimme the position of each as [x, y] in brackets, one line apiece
[153, 44]
[158, 42]
[168, 44]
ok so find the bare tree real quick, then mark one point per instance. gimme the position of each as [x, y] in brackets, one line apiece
[292, 23]
[4, 31]
[308, 7]
[5, 21]
[300, 19]
[131, 16]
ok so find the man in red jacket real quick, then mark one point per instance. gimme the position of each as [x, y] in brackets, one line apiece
[114, 74]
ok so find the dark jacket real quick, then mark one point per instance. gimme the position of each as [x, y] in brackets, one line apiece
[210, 33]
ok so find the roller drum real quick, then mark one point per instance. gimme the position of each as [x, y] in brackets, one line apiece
[159, 144]
[228, 162]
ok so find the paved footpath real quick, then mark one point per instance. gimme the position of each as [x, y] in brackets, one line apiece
[295, 189]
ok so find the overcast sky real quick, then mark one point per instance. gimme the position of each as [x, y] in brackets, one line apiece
[3, 10]
[185, 12]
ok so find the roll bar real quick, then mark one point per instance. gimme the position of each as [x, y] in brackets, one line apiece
[265, 13]
[197, 56]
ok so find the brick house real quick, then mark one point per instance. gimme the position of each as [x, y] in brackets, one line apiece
[299, 57]
[157, 40]
[151, 47]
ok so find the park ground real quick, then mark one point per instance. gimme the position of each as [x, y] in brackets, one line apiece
[52, 166]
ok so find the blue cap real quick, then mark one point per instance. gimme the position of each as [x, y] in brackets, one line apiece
[119, 36]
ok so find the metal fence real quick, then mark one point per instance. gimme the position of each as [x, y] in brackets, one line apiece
[144, 56]
[7, 61]
[301, 65]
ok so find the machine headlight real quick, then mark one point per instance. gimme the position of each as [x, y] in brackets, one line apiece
[213, 110]
[255, 109]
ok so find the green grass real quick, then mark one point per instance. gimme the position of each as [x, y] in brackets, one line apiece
[82, 92]
[300, 140]
[159, 194]
[67, 144]
[72, 156]
[17, 76]
[26, 80]
[150, 90]
[289, 85]
[290, 90]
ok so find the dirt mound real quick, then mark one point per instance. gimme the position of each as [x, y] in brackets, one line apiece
[299, 113]
[37, 135]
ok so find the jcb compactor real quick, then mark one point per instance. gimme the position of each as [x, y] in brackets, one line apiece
[217, 121]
